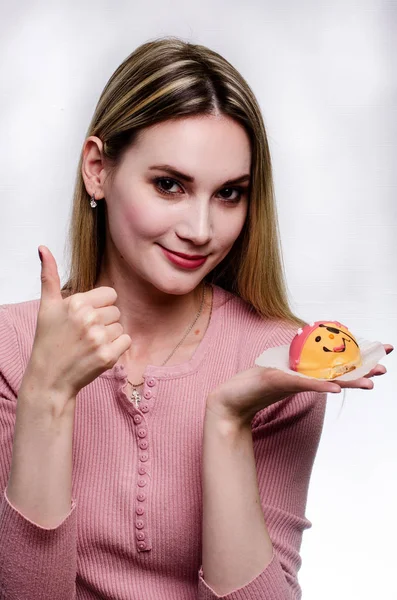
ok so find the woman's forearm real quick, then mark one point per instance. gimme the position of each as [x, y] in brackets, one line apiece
[40, 481]
[236, 542]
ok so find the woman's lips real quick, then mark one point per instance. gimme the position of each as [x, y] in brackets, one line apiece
[183, 260]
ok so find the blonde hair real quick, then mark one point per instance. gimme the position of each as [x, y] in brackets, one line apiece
[169, 78]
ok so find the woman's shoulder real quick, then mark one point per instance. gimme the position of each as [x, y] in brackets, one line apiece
[18, 322]
[17, 327]
[241, 315]
[246, 333]
[21, 314]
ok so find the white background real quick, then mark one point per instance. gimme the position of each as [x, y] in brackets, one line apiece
[324, 76]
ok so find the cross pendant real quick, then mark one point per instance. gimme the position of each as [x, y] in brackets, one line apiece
[136, 397]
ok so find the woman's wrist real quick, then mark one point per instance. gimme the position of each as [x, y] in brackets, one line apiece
[218, 409]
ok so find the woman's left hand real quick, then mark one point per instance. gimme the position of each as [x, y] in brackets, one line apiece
[242, 396]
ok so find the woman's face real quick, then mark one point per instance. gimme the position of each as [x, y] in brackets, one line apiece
[154, 213]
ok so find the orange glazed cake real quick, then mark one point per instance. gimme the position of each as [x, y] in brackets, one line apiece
[325, 350]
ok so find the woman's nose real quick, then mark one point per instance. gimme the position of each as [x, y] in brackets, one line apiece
[196, 224]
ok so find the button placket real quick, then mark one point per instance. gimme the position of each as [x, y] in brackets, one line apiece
[142, 535]
[139, 524]
[148, 392]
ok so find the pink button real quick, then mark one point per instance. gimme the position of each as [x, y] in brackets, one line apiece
[139, 524]
[142, 545]
[140, 510]
[142, 482]
[137, 419]
[144, 408]
[141, 470]
[141, 496]
[143, 444]
[147, 394]
[140, 535]
[144, 457]
[151, 382]
[142, 433]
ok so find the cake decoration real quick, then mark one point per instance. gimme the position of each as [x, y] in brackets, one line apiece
[324, 349]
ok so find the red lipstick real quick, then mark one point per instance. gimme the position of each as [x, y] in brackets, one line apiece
[184, 260]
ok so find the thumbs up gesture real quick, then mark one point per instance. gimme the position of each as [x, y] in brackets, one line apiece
[77, 338]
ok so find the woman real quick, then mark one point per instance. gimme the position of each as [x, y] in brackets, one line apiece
[182, 470]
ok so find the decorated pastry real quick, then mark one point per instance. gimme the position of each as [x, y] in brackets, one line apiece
[325, 350]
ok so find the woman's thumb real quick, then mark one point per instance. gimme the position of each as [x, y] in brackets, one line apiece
[50, 282]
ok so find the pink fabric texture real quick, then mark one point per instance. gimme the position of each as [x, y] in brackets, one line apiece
[134, 527]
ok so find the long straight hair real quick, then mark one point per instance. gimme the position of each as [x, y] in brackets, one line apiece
[169, 78]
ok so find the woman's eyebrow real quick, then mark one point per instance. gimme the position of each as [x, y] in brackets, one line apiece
[190, 179]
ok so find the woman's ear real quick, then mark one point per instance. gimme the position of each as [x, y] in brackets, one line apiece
[93, 167]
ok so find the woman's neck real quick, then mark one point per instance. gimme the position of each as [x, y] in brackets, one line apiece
[157, 322]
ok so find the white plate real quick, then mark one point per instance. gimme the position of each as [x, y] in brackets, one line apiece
[371, 353]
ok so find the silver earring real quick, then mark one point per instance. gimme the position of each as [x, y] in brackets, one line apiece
[93, 203]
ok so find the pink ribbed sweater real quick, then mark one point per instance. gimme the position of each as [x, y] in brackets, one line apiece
[134, 528]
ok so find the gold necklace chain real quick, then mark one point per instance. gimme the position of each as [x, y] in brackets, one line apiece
[135, 394]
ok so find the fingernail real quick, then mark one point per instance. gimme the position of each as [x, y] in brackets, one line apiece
[40, 255]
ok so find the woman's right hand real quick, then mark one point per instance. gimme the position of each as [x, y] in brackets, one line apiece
[77, 338]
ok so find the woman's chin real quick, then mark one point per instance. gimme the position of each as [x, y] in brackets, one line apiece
[174, 287]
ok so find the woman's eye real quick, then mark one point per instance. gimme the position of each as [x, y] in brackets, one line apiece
[165, 184]
[169, 182]
[234, 199]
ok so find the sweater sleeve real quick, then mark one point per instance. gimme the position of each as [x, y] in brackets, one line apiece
[285, 438]
[35, 562]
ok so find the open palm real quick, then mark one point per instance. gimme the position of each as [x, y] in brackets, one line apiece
[248, 392]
